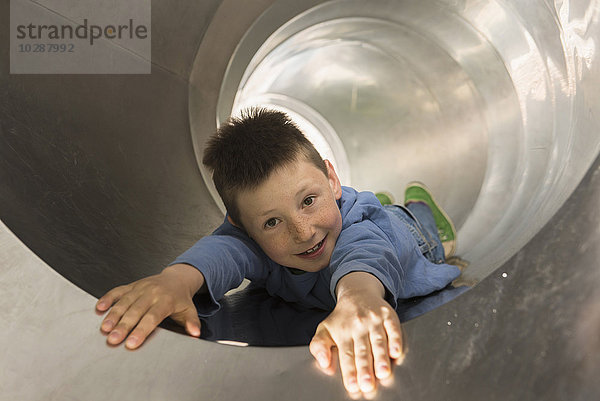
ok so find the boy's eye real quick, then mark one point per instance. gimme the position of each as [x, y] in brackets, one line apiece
[271, 223]
[308, 201]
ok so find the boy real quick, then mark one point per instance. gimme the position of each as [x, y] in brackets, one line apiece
[291, 226]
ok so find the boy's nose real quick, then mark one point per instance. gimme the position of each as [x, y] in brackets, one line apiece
[302, 231]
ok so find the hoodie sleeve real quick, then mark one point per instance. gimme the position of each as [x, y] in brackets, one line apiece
[225, 258]
[372, 242]
[364, 246]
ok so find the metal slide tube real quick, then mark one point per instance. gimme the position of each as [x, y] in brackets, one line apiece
[100, 186]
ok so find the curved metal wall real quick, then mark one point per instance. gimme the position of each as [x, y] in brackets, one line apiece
[99, 180]
[475, 98]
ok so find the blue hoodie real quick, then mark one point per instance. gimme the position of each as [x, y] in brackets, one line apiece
[371, 240]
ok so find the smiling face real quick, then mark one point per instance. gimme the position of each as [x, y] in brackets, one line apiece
[293, 215]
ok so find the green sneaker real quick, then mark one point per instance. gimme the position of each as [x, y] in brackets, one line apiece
[418, 192]
[385, 198]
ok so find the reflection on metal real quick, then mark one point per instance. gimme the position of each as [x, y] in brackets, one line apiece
[234, 343]
[493, 103]
[253, 317]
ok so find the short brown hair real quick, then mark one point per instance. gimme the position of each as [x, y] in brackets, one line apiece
[246, 150]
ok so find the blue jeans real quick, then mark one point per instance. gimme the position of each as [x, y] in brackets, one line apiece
[417, 217]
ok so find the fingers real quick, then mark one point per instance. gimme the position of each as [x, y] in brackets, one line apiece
[320, 347]
[365, 351]
[348, 366]
[108, 299]
[127, 313]
[192, 324]
[123, 303]
[395, 337]
[371, 356]
[379, 347]
[189, 320]
[139, 312]
[138, 308]
[363, 358]
[150, 320]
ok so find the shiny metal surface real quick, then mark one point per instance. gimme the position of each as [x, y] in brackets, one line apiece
[478, 99]
[527, 332]
[99, 183]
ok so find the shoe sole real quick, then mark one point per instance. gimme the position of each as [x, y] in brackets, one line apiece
[448, 238]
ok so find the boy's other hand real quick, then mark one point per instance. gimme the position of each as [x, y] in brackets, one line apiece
[143, 304]
[366, 331]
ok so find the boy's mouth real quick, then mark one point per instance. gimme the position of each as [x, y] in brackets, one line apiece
[315, 251]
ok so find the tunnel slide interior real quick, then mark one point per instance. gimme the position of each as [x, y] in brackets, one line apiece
[492, 103]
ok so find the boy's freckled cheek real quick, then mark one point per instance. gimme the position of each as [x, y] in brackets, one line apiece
[275, 248]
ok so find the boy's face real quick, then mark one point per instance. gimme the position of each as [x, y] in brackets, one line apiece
[293, 215]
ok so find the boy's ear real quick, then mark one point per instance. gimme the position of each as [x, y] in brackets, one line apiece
[334, 181]
[230, 220]
[233, 223]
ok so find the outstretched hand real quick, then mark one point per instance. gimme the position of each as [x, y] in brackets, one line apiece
[366, 331]
[139, 307]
